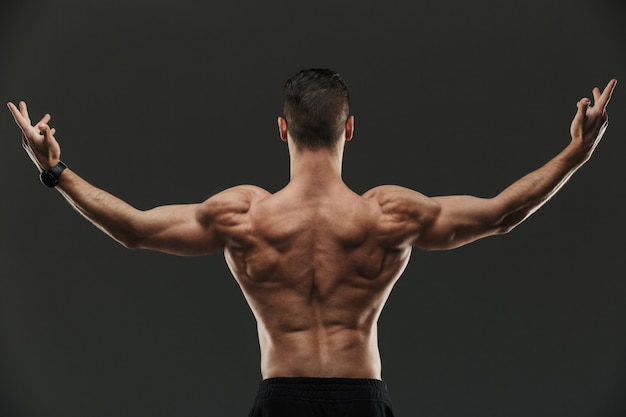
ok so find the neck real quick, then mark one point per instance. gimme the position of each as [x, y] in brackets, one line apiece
[315, 166]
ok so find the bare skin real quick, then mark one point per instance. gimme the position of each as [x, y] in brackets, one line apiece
[315, 261]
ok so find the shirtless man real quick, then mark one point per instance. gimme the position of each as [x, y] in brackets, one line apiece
[315, 261]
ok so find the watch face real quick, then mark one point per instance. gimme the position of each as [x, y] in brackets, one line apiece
[47, 178]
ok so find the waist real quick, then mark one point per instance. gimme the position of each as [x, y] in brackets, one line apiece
[351, 354]
[323, 389]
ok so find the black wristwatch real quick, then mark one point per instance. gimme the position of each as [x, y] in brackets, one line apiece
[50, 177]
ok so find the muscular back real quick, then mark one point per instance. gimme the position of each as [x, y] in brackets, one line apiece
[316, 270]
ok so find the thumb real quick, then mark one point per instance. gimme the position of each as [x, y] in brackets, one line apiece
[51, 144]
[45, 131]
[584, 104]
[579, 118]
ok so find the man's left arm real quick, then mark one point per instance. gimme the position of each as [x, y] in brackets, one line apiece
[187, 230]
[182, 229]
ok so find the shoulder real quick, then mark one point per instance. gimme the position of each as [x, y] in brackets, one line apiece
[240, 192]
[231, 202]
[404, 214]
[403, 202]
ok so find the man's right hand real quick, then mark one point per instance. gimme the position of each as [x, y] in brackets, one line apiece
[38, 140]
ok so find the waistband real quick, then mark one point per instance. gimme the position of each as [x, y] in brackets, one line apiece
[323, 389]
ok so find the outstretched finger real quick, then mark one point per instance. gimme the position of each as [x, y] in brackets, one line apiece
[596, 95]
[603, 100]
[24, 110]
[22, 122]
[45, 119]
[14, 111]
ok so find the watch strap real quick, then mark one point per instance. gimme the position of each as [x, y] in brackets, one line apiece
[50, 177]
[57, 169]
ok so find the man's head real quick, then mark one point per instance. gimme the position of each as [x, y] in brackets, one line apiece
[316, 107]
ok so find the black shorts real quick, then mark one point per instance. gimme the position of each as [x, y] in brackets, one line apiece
[322, 397]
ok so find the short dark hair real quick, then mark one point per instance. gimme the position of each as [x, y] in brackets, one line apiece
[316, 105]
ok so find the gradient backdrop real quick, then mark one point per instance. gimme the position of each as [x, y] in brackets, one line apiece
[171, 101]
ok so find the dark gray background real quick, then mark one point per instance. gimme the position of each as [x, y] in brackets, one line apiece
[170, 101]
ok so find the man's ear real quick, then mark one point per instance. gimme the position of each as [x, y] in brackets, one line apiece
[349, 128]
[282, 128]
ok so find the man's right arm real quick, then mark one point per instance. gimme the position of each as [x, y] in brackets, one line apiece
[449, 222]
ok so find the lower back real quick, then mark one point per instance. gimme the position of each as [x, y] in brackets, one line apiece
[319, 352]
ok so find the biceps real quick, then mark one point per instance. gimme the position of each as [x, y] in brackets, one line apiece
[177, 230]
[461, 220]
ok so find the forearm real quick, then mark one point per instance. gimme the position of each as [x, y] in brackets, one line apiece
[107, 212]
[529, 193]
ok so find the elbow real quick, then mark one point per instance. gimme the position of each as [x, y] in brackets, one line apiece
[504, 222]
[504, 229]
[129, 241]
[129, 244]
[129, 235]
[508, 223]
